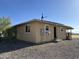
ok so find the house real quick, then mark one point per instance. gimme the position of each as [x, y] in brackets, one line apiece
[39, 31]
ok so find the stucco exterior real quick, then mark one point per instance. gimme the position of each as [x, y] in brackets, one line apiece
[37, 33]
[26, 36]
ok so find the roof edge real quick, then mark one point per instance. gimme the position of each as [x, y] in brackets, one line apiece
[45, 21]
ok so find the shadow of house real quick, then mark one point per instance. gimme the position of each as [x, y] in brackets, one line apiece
[7, 46]
[12, 45]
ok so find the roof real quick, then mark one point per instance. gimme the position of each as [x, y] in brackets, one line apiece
[44, 21]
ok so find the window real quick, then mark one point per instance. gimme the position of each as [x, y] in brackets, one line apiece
[61, 29]
[27, 28]
[47, 28]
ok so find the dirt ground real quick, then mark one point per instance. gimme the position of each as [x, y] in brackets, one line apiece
[68, 49]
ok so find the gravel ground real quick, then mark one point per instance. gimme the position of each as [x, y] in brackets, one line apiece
[61, 50]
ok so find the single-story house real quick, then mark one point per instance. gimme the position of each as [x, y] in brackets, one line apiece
[39, 31]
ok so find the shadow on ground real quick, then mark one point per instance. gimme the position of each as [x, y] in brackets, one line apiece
[12, 45]
[7, 46]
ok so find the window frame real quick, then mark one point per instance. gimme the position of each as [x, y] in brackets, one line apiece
[47, 28]
[61, 29]
[27, 28]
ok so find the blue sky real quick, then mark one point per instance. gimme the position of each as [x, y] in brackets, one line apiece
[62, 11]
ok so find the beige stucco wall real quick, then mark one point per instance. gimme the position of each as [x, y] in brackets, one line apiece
[27, 36]
[36, 35]
[61, 34]
[45, 37]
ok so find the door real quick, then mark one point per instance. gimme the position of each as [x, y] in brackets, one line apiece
[55, 34]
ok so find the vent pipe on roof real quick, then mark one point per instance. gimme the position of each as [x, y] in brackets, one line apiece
[42, 17]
